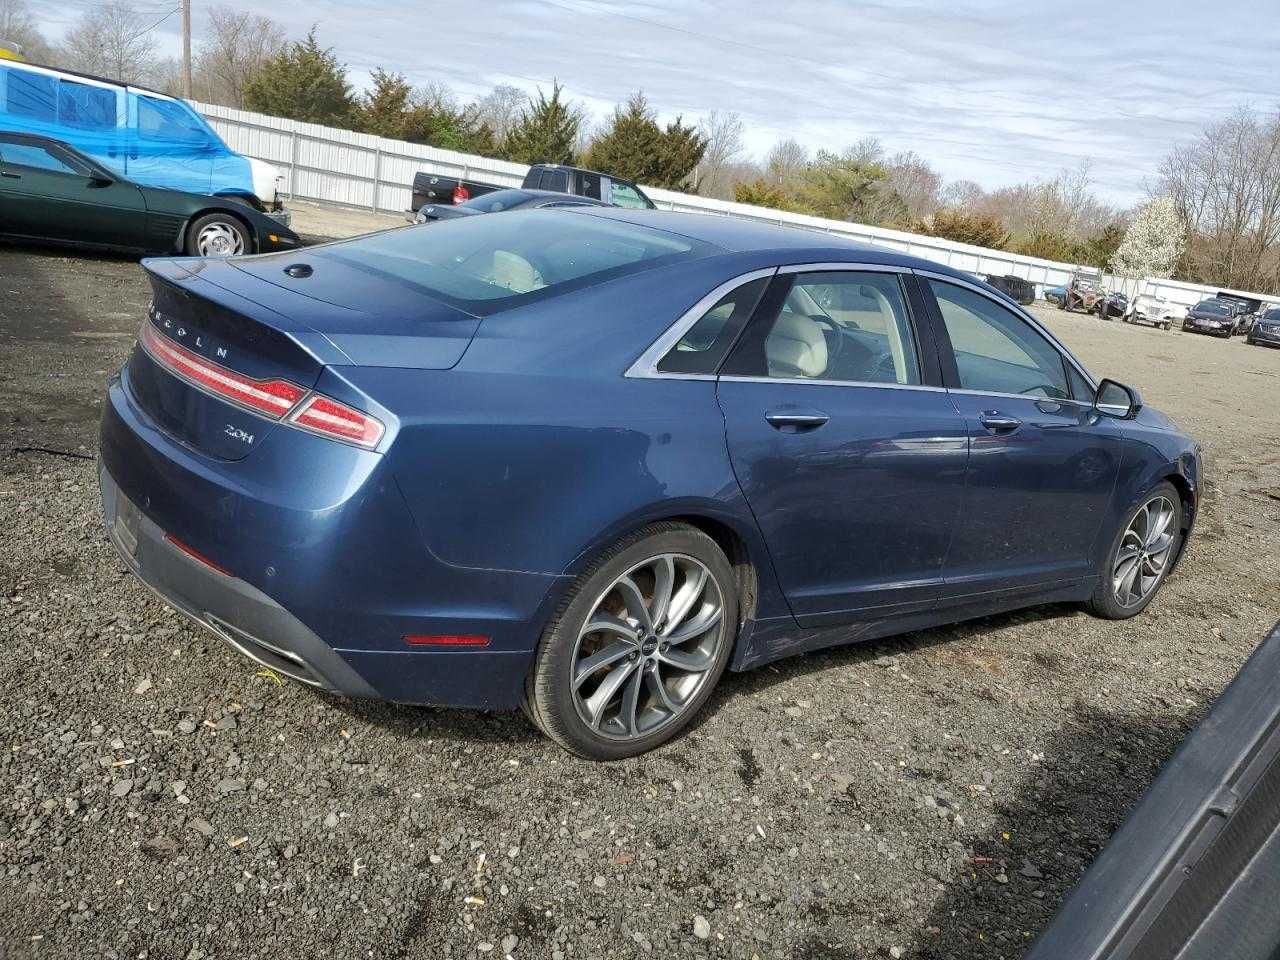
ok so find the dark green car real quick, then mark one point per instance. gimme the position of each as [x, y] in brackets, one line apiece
[49, 191]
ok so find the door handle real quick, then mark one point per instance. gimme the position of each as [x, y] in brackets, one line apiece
[796, 420]
[10, 176]
[999, 423]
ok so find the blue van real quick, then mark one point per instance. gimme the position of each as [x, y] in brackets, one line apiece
[151, 138]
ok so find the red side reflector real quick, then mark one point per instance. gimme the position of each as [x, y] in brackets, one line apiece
[446, 640]
[338, 421]
[196, 555]
[272, 398]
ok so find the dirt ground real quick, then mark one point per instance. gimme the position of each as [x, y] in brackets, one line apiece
[933, 796]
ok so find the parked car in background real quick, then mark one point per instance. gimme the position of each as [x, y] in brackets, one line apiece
[500, 201]
[150, 138]
[1150, 309]
[1246, 309]
[1266, 331]
[434, 189]
[587, 459]
[52, 192]
[1018, 289]
[1055, 294]
[1212, 316]
[1083, 291]
[1111, 305]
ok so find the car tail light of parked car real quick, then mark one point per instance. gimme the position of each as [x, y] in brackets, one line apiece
[275, 399]
[461, 194]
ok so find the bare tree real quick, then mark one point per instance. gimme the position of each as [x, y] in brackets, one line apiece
[916, 183]
[113, 41]
[235, 47]
[785, 159]
[1225, 186]
[723, 133]
[500, 108]
[18, 27]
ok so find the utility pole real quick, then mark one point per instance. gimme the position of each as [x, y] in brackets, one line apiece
[186, 49]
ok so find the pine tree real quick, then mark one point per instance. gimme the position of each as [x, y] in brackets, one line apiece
[302, 82]
[634, 147]
[384, 109]
[546, 132]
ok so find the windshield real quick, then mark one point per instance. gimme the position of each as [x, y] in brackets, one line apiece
[1272, 316]
[1212, 306]
[498, 200]
[485, 264]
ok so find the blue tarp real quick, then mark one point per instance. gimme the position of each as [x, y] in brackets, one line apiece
[147, 138]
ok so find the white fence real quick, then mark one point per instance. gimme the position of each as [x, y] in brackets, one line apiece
[362, 170]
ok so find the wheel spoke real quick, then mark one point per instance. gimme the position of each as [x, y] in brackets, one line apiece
[690, 591]
[664, 580]
[634, 600]
[604, 694]
[1161, 524]
[707, 618]
[602, 622]
[658, 690]
[602, 658]
[1125, 589]
[631, 702]
[695, 661]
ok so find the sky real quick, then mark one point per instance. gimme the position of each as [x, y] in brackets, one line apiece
[996, 91]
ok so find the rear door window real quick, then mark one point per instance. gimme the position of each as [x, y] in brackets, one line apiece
[625, 195]
[557, 180]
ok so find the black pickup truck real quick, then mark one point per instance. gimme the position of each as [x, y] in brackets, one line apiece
[433, 188]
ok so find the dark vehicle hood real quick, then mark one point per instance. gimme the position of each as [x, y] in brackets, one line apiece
[374, 321]
[1207, 314]
[444, 211]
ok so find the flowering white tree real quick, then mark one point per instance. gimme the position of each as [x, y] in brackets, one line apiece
[1153, 242]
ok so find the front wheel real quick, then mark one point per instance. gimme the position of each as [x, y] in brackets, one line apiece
[217, 235]
[637, 646]
[1141, 555]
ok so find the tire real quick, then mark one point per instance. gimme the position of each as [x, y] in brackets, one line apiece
[1117, 597]
[583, 720]
[218, 235]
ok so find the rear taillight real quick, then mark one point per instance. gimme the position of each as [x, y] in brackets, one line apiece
[273, 399]
[336, 420]
[461, 194]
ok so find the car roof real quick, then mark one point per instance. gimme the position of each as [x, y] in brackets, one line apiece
[89, 76]
[798, 244]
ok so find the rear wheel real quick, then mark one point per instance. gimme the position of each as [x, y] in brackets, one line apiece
[218, 235]
[1140, 556]
[637, 646]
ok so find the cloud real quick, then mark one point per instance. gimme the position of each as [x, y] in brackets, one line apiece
[997, 91]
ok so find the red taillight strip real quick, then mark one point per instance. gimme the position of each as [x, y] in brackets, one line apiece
[274, 398]
[446, 640]
[337, 421]
[196, 555]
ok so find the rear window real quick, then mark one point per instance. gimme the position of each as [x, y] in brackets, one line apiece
[485, 264]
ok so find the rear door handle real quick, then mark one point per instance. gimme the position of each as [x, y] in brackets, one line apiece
[997, 422]
[796, 420]
[11, 176]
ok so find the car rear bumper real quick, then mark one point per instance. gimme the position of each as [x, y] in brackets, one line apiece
[235, 611]
[323, 580]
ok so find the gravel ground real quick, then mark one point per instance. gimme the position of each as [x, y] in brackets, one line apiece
[932, 796]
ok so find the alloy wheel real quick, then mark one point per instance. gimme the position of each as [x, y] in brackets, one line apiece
[1145, 551]
[219, 240]
[648, 647]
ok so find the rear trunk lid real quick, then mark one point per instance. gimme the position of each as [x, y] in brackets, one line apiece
[215, 320]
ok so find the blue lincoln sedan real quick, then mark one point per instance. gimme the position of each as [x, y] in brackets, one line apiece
[583, 461]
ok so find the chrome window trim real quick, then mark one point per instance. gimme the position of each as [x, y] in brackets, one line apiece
[924, 387]
[1024, 396]
[846, 266]
[646, 365]
[1016, 310]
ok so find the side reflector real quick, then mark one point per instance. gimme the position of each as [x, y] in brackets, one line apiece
[197, 556]
[337, 421]
[446, 640]
[273, 398]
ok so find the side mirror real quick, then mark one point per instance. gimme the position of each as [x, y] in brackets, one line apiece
[1116, 400]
